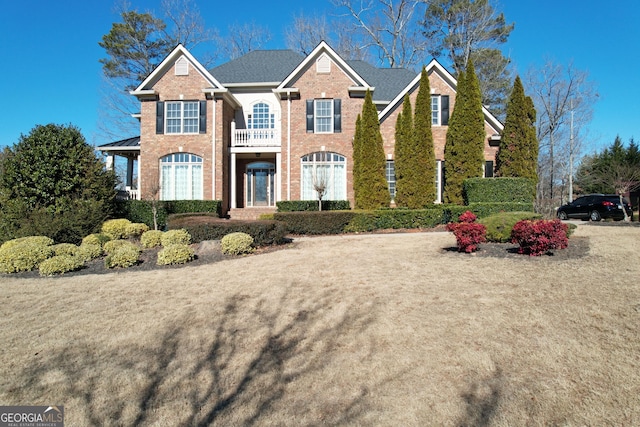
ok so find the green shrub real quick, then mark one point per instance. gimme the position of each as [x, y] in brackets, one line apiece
[151, 238]
[325, 222]
[498, 190]
[60, 264]
[116, 228]
[123, 257]
[29, 240]
[88, 251]
[142, 211]
[96, 239]
[499, 226]
[394, 219]
[264, 232]
[173, 237]
[113, 245]
[25, 254]
[237, 244]
[312, 205]
[135, 229]
[65, 249]
[175, 254]
[193, 206]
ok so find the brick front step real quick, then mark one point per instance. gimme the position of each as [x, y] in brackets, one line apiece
[249, 213]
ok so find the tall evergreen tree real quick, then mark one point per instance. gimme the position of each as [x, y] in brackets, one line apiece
[357, 158]
[425, 157]
[518, 153]
[402, 154]
[370, 167]
[464, 149]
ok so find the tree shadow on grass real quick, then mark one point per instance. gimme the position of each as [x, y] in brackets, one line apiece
[249, 363]
[481, 400]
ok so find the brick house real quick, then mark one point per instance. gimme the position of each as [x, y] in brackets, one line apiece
[263, 127]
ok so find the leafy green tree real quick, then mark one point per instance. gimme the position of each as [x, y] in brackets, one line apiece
[518, 152]
[53, 184]
[369, 160]
[464, 149]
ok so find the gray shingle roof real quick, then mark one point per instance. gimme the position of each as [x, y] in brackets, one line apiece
[388, 82]
[258, 66]
[133, 142]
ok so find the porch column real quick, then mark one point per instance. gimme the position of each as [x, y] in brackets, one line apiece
[129, 172]
[233, 181]
[278, 177]
[109, 163]
[138, 185]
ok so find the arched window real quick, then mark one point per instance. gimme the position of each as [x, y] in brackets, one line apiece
[181, 177]
[261, 117]
[326, 170]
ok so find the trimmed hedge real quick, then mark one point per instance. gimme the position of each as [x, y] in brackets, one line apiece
[312, 205]
[60, 264]
[178, 236]
[329, 222]
[395, 218]
[264, 232]
[142, 210]
[498, 190]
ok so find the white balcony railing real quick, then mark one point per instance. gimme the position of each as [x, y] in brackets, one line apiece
[255, 137]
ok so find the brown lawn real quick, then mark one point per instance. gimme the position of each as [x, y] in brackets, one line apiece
[371, 330]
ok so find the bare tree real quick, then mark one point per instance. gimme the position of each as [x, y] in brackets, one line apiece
[390, 28]
[307, 32]
[244, 38]
[558, 93]
[321, 180]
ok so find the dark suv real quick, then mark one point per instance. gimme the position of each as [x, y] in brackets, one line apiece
[595, 207]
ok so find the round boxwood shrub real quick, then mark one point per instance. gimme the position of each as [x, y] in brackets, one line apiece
[237, 244]
[173, 237]
[175, 254]
[151, 238]
[499, 225]
[64, 249]
[35, 240]
[113, 245]
[116, 228]
[25, 254]
[60, 264]
[135, 229]
[96, 239]
[87, 252]
[124, 256]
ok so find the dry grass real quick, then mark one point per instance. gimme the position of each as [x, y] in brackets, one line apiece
[381, 330]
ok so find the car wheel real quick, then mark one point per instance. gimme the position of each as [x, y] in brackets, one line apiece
[562, 215]
[595, 216]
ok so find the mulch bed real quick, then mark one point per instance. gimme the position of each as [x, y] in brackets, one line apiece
[578, 248]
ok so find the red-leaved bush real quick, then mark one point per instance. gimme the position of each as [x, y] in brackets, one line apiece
[468, 233]
[538, 237]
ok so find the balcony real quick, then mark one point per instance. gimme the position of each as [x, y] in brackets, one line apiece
[254, 137]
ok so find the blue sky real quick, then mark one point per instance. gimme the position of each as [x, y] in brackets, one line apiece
[51, 74]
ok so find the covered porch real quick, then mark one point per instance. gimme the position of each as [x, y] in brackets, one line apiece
[124, 157]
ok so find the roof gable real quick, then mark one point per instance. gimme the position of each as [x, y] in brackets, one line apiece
[146, 87]
[324, 49]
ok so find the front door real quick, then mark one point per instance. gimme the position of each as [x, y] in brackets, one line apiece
[260, 184]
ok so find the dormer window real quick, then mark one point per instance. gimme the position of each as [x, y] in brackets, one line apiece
[182, 67]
